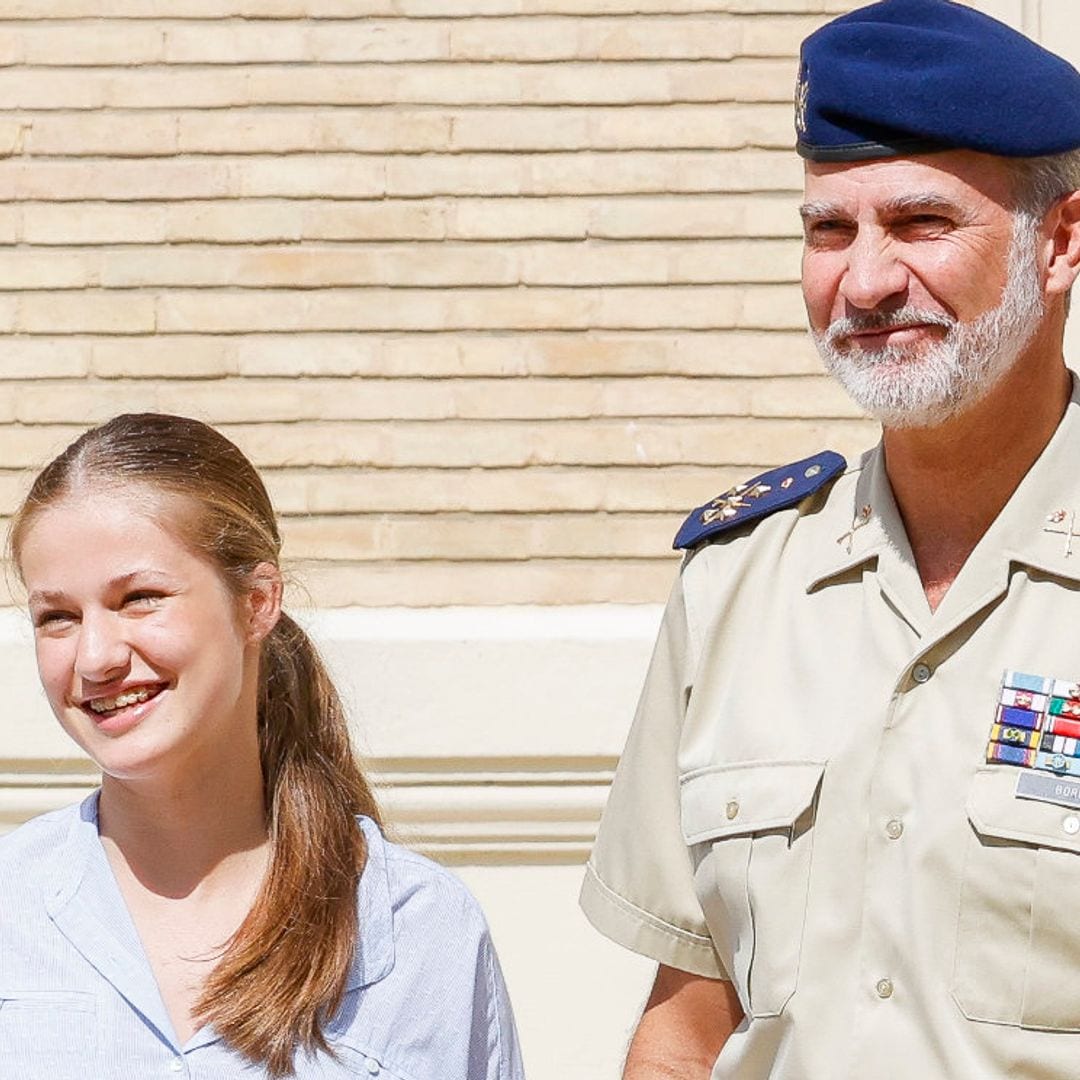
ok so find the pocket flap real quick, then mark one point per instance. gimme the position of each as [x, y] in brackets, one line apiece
[996, 811]
[747, 797]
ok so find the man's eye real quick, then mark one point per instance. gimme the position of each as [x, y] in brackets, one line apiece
[926, 223]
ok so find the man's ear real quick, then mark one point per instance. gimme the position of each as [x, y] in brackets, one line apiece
[1063, 223]
[262, 606]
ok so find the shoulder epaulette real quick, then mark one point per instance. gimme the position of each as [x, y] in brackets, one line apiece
[757, 498]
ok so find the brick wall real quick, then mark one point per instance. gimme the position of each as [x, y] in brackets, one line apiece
[492, 290]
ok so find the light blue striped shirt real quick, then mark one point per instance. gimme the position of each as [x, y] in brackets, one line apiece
[78, 1001]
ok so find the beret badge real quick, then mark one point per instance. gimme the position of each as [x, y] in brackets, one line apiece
[802, 96]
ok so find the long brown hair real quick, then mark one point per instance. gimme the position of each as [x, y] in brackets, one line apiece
[283, 973]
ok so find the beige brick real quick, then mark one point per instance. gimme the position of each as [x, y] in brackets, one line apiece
[82, 402]
[116, 180]
[520, 218]
[328, 9]
[233, 221]
[14, 484]
[354, 41]
[702, 216]
[415, 265]
[645, 127]
[571, 83]
[442, 84]
[386, 219]
[625, 263]
[743, 80]
[436, 584]
[624, 217]
[671, 489]
[408, 309]
[772, 37]
[109, 134]
[304, 130]
[641, 38]
[52, 88]
[44, 358]
[596, 173]
[188, 357]
[93, 223]
[32, 447]
[571, 354]
[9, 308]
[419, 265]
[10, 224]
[245, 400]
[91, 312]
[11, 46]
[515, 444]
[13, 137]
[112, 42]
[307, 176]
[369, 538]
[24, 268]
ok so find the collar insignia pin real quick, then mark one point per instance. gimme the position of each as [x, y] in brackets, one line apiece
[1067, 519]
[860, 519]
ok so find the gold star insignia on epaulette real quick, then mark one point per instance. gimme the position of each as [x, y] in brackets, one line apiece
[725, 507]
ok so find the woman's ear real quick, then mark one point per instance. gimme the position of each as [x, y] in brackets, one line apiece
[1064, 264]
[262, 601]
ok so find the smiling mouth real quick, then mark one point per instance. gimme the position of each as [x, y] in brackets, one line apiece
[104, 707]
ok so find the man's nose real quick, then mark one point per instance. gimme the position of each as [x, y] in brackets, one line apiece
[103, 653]
[874, 278]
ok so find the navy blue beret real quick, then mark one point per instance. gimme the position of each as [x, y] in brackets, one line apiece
[916, 76]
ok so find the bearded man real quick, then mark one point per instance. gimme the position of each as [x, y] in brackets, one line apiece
[847, 820]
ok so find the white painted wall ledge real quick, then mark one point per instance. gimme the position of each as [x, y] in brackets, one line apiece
[492, 732]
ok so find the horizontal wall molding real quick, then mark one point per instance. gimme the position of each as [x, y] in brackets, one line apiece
[457, 811]
[491, 734]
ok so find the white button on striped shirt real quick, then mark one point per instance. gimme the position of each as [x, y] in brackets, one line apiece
[425, 1000]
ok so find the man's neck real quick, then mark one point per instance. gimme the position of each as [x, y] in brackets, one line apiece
[951, 481]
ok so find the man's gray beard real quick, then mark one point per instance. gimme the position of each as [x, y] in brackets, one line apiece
[925, 384]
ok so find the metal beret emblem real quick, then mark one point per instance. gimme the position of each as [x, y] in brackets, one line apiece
[802, 94]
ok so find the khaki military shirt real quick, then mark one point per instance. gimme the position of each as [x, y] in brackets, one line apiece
[804, 804]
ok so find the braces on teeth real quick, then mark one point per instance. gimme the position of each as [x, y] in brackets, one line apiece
[102, 705]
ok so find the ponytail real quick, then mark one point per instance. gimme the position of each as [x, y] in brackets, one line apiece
[283, 974]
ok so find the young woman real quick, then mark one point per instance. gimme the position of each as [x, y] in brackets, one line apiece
[226, 905]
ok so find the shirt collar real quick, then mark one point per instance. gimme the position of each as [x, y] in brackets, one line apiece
[374, 957]
[1033, 528]
[85, 903]
[861, 518]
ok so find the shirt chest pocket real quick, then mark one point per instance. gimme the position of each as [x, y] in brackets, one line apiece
[749, 826]
[47, 1035]
[1018, 934]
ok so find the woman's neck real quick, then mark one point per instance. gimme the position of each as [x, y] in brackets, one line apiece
[189, 831]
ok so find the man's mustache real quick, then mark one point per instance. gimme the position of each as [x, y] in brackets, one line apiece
[877, 321]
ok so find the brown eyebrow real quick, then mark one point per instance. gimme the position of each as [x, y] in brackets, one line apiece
[58, 596]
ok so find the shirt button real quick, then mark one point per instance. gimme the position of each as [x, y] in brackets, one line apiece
[176, 1065]
[920, 673]
[884, 988]
[732, 810]
[373, 1066]
[1071, 824]
[894, 829]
